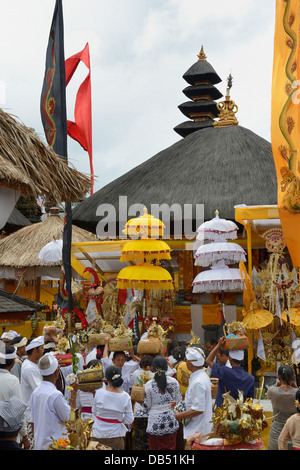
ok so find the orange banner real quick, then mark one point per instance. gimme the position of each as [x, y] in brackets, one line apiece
[285, 121]
[211, 315]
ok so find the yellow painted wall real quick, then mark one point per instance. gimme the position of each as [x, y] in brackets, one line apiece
[47, 293]
[26, 329]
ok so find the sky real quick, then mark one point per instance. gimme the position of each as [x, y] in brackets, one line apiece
[139, 51]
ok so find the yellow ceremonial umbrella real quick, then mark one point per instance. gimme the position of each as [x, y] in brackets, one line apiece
[145, 250]
[144, 276]
[294, 316]
[257, 318]
[146, 226]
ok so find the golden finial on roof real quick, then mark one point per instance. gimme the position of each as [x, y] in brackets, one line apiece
[201, 55]
[229, 85]
[227, 109]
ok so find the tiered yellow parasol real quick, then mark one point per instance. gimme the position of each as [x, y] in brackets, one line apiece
[145, 250]
[145, 276]
[145, 226]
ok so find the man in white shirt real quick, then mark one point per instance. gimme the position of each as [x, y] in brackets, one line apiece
[49, 407]
[19, 342]
[31, 377]
[10, 385]
[198, 400]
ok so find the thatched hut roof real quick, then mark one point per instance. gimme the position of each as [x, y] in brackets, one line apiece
[21, 249]
[217, 167]
[32, 167]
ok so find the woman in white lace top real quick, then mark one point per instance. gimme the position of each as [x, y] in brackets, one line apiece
[159, 393]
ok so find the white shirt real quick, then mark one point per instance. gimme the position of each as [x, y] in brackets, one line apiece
[198, 398]
[139, 410]
[85, 400]
[48, 407]
[111, 405]
[106, 362]
[31, 378]
[172, 360]
[127, 369]
[10, 387]
[67, 370]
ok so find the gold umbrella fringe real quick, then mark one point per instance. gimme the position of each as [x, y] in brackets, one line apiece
[145, 256]
[144, 285]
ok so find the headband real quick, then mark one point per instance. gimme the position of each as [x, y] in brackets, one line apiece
[195, 355]
[6, 356]
[35, 343]
[237, 354]
[53, 364]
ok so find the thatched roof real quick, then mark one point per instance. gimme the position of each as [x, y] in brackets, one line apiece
[21, 249]
[217, 167]
[12, 303]
[29, 165]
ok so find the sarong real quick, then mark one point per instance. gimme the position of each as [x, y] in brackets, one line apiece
[140, 438]
[164, 442]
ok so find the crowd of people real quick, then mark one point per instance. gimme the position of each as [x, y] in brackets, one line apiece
[177, 404]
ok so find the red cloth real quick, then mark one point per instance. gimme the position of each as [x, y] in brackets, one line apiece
[165, 442]
[81, 129]
[105, 420]
[86, 409]
[131, 323]
[122, 296]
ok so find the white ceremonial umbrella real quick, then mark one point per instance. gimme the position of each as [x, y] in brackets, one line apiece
[218, 253]
[219, 278]
[52, 252]
[217, 229]
[210, 253]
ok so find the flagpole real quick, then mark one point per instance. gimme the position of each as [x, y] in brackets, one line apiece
[54, 120]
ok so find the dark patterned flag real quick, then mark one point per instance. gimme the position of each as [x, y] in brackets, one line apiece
[53, 98]
[54, 119]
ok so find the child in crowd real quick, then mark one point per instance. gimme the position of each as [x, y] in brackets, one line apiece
[126, 363]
